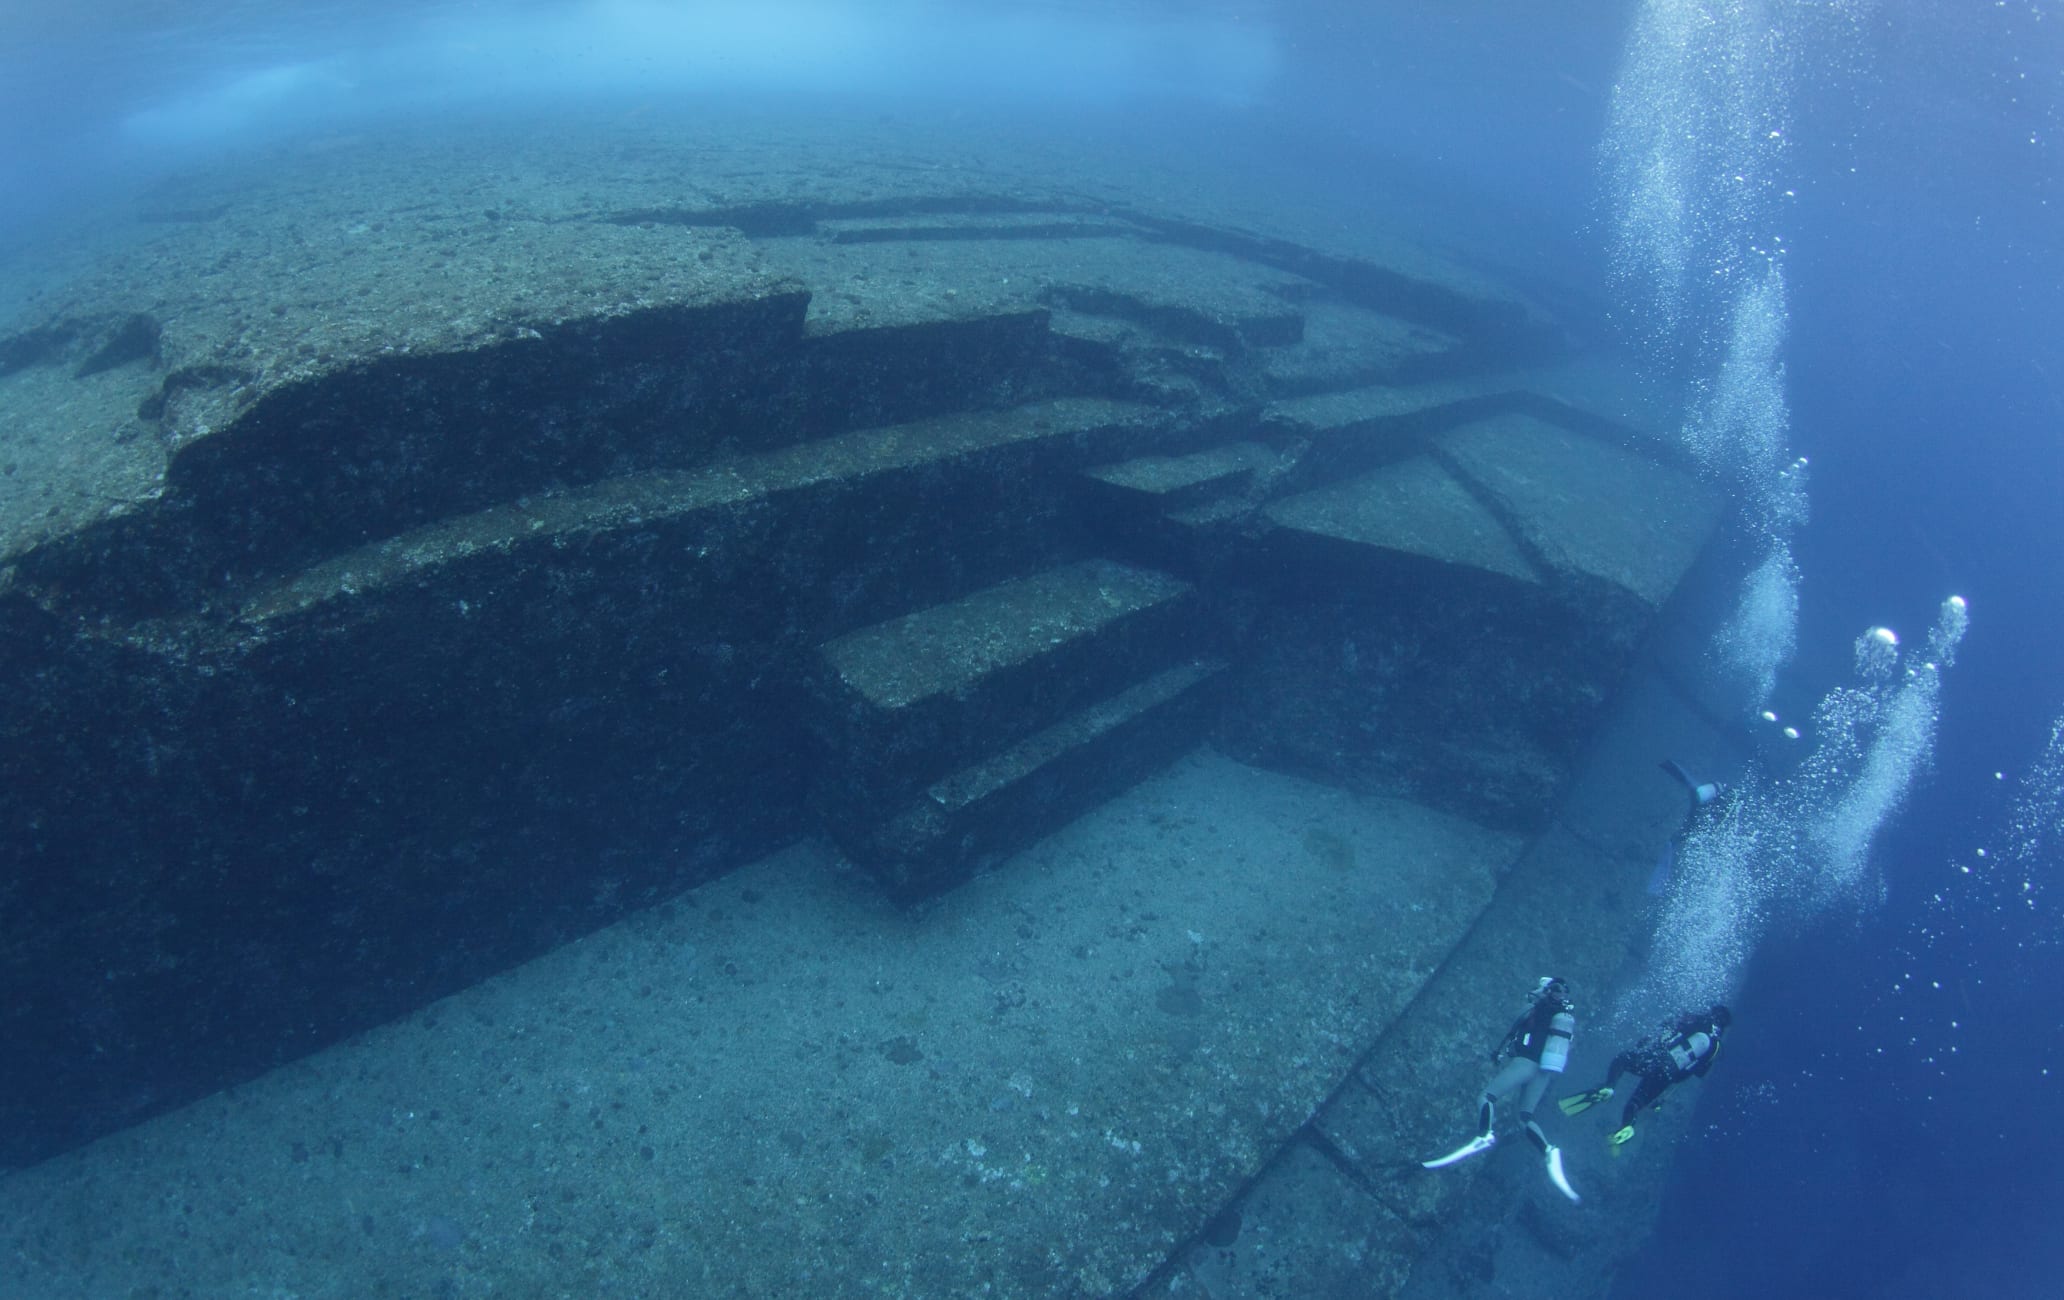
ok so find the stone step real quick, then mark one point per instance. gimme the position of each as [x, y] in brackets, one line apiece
[878, 358]
[1602, 518]
[1348, 347]
[695, 528]
[1003, 802]
[1186, 295]
[558, 705]
[1341, 435]
[313, 469]
[1404, 647]
[1208, 542]
[1180, 481]
[913, 698]
[1410, 515]
[1610, 397]
[1187, 514]
[1376, 406]
[1144, 363]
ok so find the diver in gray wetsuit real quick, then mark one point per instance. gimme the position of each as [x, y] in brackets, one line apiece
[1533, 1052]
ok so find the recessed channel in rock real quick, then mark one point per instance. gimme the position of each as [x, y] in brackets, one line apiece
[905, 652]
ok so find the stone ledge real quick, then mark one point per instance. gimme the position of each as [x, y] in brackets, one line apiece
[964, 822]
[1593, 512]
[1414, 508]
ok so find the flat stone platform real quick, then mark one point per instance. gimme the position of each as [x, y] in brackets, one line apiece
[780, 1084]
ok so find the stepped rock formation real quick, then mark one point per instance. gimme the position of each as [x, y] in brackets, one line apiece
[418, 557]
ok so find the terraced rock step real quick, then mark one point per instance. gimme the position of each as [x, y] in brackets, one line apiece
[908, 701]
[1416, 607]
[1176, 482]
[966, 821]
[699, 508]
[1413, 509]
[1187, 294]
[1347, 410]
[1609, 397]
[1597, 514]
[954, 649]
[424, 553]
[1345, 347]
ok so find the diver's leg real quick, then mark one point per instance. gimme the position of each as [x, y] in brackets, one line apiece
[1530, 1097]
[1622, 1064]
[1531, 1093]
[1652, 1086]
[1511, 1075]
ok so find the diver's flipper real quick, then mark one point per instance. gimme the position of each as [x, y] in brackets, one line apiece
[1702, 792]
[1622, 1137]
[1584, 1101]
[1476, 1145]
[1556, 1176]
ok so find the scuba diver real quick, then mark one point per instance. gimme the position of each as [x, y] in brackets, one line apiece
[1684, 1049]
[1532, 1053]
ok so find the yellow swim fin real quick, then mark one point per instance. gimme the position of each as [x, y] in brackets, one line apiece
[1584, 1101]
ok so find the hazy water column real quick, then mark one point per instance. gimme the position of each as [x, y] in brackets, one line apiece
[1795, 845]
[1999, 896]
[1694, 148]
[2035, 828]
[1695, 152]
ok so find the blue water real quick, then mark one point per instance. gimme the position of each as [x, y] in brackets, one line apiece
[1887, 1119]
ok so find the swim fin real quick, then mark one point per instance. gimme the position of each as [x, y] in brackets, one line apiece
[1560, 1179]
[1584, 1101]
[1480, 1143]
[1702, 792]
[1622, 1137]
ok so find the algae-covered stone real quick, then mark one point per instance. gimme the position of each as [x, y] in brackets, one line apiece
[1589, 509]
[1415, 508]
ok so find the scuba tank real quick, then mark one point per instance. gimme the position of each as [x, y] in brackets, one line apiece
[1687, 1051]
[1562, 1027]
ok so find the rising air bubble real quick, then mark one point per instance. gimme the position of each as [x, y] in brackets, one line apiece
[1793, 847]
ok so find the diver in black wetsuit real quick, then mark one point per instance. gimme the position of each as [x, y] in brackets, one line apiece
[1683, 1050]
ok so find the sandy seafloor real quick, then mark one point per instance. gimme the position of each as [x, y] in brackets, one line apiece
[781, 1084]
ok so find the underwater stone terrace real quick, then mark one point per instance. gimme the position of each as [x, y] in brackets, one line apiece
[414, 661]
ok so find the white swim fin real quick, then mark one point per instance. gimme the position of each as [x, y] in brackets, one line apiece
[1474, 1146]
[1560, 1179]
[1701, 792]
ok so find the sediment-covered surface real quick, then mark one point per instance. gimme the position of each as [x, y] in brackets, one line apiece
[419, 552]
[1345, 1208]
[781, 1084]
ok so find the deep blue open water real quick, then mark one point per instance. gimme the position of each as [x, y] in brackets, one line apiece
[1887, 1119]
